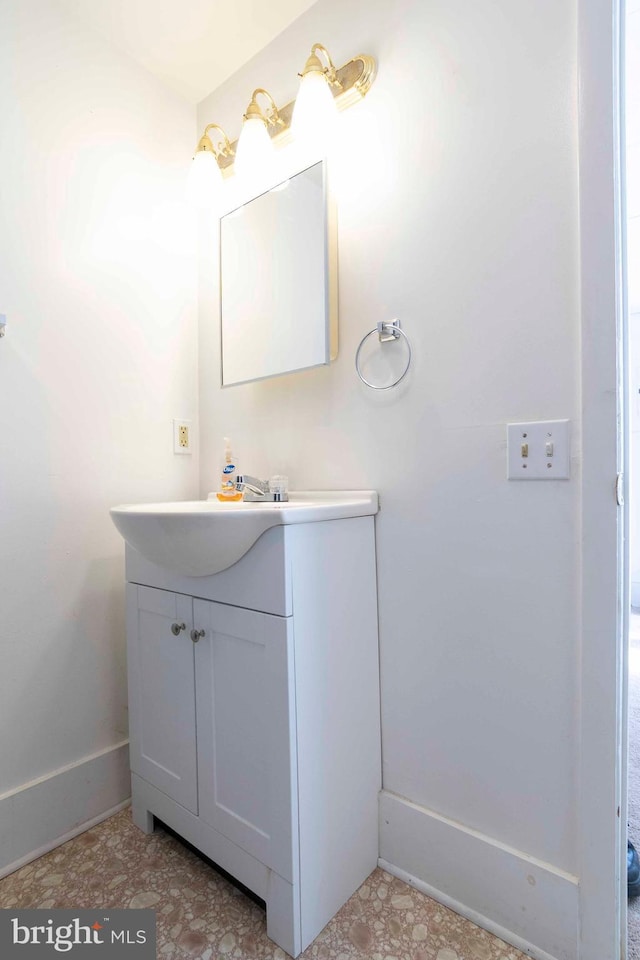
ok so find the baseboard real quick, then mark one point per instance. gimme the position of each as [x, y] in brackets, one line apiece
[528, 903]
[41, 815]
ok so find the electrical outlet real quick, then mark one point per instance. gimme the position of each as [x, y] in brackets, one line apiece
[182, 436]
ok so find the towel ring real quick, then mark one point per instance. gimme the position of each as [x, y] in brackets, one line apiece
[386, 331]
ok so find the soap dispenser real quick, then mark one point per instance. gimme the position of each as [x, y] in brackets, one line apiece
[228, 492]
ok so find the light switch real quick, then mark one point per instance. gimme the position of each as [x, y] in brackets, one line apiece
[538, 450]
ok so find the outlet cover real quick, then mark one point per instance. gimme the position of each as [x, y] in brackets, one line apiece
[538, 450]
[182, 436]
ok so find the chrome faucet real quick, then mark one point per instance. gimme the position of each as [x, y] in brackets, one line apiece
[254, 490]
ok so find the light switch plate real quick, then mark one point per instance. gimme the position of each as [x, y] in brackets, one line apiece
[538, 450]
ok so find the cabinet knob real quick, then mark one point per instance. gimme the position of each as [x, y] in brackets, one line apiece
[197, 635]
[176, 628]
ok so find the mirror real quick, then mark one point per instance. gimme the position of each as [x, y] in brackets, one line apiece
[278, 280]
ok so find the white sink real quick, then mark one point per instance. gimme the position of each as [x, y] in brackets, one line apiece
[198, 538]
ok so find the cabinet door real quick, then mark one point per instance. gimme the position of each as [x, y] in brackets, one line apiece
[162, 692]
[246, 736]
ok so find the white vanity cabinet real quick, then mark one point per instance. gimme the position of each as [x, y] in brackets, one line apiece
[232, 687]
[162, 703]
[254, 715]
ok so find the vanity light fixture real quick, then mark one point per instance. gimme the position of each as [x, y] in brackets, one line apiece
[315, 111]
[347, 85]
[205, 175]
[206, 148]
[255, 149]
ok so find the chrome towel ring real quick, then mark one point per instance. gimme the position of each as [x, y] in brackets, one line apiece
[386, 331]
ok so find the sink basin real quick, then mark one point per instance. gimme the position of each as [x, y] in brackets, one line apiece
[198, 538]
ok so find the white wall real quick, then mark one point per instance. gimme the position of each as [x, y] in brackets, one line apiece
[457, 210]
[97, 278]
[633, 268]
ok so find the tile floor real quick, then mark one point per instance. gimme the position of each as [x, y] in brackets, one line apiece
[201, 916]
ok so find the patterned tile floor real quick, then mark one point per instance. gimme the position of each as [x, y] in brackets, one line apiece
[202, 916]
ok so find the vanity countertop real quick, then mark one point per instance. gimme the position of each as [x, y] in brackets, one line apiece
[202, 537]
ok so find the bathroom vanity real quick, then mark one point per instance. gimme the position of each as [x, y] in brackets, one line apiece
[254, 709]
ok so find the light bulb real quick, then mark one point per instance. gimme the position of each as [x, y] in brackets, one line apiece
[204, 180]
[315, 113]
[255, 152]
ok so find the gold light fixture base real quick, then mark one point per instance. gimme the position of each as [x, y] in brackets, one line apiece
[205, 143]
[255, 111]
[314, 65]
[348, 84]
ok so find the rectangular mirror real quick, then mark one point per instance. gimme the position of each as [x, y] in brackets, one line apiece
[278, 280]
